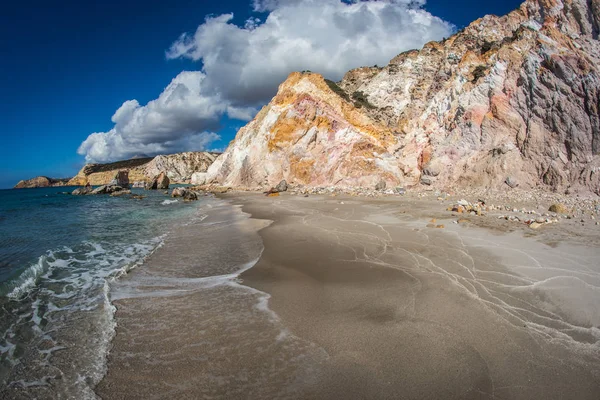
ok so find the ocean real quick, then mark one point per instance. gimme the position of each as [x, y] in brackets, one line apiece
[58, 256]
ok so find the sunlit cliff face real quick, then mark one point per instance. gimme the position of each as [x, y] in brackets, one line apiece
[514, 96]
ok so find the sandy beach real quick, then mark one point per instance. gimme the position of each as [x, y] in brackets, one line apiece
[327, 297]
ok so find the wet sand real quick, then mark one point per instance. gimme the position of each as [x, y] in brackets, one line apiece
[355, 299]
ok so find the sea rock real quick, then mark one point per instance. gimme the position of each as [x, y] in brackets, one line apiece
[558, 208]
[121, 179]
[513, 96]
[100, 190]
[138, 184]
[82, 191]
[162, 181]
[186, 194]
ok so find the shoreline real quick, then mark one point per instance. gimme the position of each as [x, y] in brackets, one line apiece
[352, 298]
[309, 300]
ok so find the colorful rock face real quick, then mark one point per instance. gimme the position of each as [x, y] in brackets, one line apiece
[508, 99]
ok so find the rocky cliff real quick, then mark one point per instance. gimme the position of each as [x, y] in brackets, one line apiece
[178, 167]
[509, 99]
[41, 181]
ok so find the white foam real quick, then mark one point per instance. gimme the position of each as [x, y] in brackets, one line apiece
[167, 202]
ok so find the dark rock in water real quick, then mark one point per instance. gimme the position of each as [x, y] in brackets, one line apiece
[121, 179]
[381, 185]
[138, 196]
[107, 189]
[99, 190]
[166, 192]
[511, 182]
[151, 185]
[425, 181]
[82, 191]
[188, 195]
[281, 186]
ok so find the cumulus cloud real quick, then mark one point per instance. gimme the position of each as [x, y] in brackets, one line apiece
[241, 66]
[245, 64]
[180, 119]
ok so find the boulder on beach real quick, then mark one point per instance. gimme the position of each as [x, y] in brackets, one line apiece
[559, 208]
[281, 186]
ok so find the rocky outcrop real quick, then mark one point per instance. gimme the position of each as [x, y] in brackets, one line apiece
[186, 194]
[103, 174]
[41, 181]
[178, 167]
[121, 179]
[181, 166]
[508, 101]
[161, 181]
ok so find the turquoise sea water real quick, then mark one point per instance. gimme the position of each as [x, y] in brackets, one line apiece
[57, 255]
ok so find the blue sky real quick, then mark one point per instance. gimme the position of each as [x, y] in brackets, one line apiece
[67, 67]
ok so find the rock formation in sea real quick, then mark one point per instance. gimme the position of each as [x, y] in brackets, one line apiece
[178, 167]
[41, 181]
[508, 101]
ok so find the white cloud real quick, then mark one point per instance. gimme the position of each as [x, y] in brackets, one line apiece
[246, 64]
[243, 65]
[180, 119]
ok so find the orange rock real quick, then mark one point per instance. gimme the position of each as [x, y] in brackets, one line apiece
[440, 226]
[273, 195]
[433, 221]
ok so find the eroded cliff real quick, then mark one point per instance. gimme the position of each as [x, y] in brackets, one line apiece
[513, 98]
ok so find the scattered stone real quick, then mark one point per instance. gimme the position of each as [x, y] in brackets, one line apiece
[425, 181]
[400, 190]
[558, 208]
[380, 186]
[535, 225]
[281, 186]
[440, 226]
[463, 221]
[276, 194]
[511, 182]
